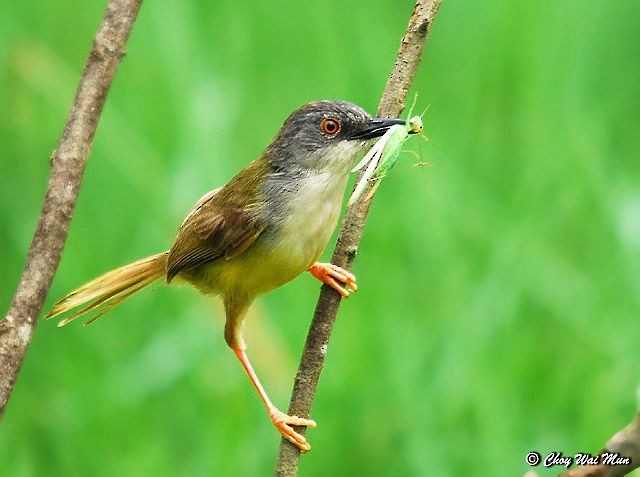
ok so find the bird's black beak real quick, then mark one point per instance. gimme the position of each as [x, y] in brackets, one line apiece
[375, 128]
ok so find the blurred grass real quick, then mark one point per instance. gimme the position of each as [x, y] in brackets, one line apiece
[499, 301]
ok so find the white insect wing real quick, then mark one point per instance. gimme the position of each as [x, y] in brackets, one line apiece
[376, 148]
[373, 157]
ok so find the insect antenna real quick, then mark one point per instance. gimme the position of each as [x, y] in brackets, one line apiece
[425, 110]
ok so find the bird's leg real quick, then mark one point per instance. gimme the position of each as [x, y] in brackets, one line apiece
[334, 276]
[282, 421]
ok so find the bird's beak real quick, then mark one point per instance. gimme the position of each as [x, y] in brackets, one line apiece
[375, 128]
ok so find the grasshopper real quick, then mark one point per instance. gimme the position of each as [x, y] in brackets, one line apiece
[384, 154]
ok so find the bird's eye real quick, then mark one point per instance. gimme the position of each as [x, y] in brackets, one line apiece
[330, 126]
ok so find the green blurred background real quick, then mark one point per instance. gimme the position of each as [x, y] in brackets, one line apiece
[499, 289]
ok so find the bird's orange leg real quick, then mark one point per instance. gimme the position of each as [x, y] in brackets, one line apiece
[333, 276]
[282, 421]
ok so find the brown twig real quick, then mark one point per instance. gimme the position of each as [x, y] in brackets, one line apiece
[625, 443]
[391, 105]
[67, 166]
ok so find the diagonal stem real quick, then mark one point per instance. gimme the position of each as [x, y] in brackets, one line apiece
[68, 161]
[625, 443]
[312, 362]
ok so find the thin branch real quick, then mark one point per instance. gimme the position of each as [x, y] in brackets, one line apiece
[625, 443]
[68, 161]
[391, 105]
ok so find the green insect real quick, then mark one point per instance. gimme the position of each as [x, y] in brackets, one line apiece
[384, 154]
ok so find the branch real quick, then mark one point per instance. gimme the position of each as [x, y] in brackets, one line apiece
[625, 443]
[391, 105]
[68, 161]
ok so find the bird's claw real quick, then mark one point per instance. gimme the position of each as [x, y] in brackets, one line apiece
[335, 277]
[283, 423]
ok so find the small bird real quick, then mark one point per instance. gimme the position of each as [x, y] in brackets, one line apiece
[262, 229]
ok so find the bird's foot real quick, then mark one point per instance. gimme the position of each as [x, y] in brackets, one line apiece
[283, 423]
[334, 276]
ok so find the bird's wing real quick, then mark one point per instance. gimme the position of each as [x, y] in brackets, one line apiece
[218, 227]
[203, 200]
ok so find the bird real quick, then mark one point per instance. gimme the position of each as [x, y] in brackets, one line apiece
[264, 227]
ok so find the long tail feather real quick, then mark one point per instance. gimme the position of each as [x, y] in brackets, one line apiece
[111, 289]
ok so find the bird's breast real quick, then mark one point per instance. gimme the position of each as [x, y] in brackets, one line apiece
[300, 233]
[312, 216]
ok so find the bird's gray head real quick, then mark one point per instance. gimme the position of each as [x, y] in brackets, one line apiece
[325, 136]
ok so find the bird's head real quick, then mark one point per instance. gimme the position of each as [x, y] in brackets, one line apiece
[325, 136]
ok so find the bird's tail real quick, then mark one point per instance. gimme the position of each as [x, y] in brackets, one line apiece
[111, 289]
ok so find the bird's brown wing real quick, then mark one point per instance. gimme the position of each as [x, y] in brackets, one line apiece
[216, 228]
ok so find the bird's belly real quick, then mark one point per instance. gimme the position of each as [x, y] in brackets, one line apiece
[286, 251]
[301, 241]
